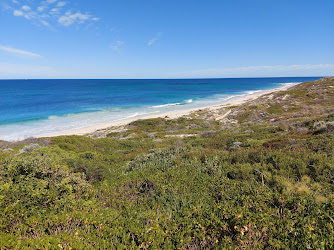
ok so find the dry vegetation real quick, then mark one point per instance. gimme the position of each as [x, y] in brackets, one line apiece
[260, 175]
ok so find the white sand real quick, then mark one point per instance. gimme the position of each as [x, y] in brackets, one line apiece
[171, 115]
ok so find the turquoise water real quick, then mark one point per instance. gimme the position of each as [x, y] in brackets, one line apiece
[34, 107]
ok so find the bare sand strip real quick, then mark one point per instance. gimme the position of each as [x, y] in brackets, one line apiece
[171, 114]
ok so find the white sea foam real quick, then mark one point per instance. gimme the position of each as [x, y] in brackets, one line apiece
[52, 117]
[289, 84]
[253, 92]
[231, 97]
[173, 104]
[166, 105]
[68, 122]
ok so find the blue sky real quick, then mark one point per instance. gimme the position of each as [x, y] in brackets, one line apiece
[165, 38]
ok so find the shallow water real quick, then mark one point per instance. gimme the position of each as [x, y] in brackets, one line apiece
[34, 107]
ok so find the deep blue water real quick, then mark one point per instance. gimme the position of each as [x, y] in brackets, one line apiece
[37, 105]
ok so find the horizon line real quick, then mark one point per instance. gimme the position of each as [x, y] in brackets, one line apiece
[190, 78]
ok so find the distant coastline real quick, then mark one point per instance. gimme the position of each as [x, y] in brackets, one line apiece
[36, 108]
[170, 115]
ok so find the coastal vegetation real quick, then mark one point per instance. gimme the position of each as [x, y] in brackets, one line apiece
[260, 176]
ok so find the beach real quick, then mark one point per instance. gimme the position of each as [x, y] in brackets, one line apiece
[169, 115]
[46, 108]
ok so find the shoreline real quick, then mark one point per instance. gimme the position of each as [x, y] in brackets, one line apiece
[170, 114]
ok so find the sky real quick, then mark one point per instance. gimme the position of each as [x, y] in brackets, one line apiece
[111, 39]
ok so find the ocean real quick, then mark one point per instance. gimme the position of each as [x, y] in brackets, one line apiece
[34, 107]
